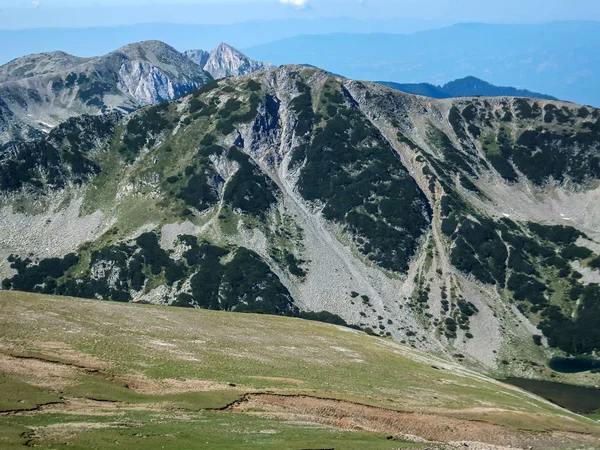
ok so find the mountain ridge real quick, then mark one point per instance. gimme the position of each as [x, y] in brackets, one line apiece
[44, 89]
[430, 221]
[125, 79]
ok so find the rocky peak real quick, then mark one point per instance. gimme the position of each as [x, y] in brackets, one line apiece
[226, 61]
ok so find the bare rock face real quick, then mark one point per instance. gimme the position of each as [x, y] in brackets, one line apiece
[200, 57]
[226, 61]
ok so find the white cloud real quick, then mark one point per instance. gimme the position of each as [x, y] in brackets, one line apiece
[295, 3]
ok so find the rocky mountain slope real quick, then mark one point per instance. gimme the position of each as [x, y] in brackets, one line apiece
[464, 87]
[38, 64]
[465, 227]
[226, 61]
[38, 92]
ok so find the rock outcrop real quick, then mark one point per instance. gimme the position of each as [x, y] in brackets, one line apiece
[226, 61]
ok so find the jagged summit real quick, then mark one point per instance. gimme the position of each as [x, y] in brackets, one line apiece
[40, 91]
[198, 56]
[226, 61]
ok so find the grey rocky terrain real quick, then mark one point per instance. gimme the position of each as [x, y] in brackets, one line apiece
[226, 61]
[38, 92]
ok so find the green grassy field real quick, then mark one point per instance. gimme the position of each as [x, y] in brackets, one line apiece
[168, 377]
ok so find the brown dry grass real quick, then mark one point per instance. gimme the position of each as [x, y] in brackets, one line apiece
[427, 427]
[279, 379]
[38, 373]
[168, 386]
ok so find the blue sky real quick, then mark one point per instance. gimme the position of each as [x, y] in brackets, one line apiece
[80, 13]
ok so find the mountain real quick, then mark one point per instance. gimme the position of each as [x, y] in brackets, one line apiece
[560, 58]
[242, 381]
[464, 87]
[465, 227]
[226, 61]
[471, 86]
[40, 91]
[38, 64]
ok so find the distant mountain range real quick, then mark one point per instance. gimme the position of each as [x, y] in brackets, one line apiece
[37, 92]
[561, 59]
[99, 40]
[464, 87]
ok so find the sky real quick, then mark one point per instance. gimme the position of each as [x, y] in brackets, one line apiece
[17, 14]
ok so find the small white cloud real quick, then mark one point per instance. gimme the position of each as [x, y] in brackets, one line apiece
[35, 3]
[295, 3]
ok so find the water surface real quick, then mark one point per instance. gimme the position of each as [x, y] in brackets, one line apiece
[579, 399]
[573, 365]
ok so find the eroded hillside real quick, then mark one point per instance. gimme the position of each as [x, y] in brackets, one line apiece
[468, 227]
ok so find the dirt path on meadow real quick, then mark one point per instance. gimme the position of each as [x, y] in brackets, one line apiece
[428, 426]
[406, 426]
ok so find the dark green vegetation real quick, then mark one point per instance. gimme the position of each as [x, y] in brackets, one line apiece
[60, 158]
[547, 154]
[530, 262]
[556, 151]
[579, 334]
[362, 184]
[249, 189]
[91, 90]
[303, 107]
[143, 128]
[199, 186]
[579, 399]
[244, 284]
